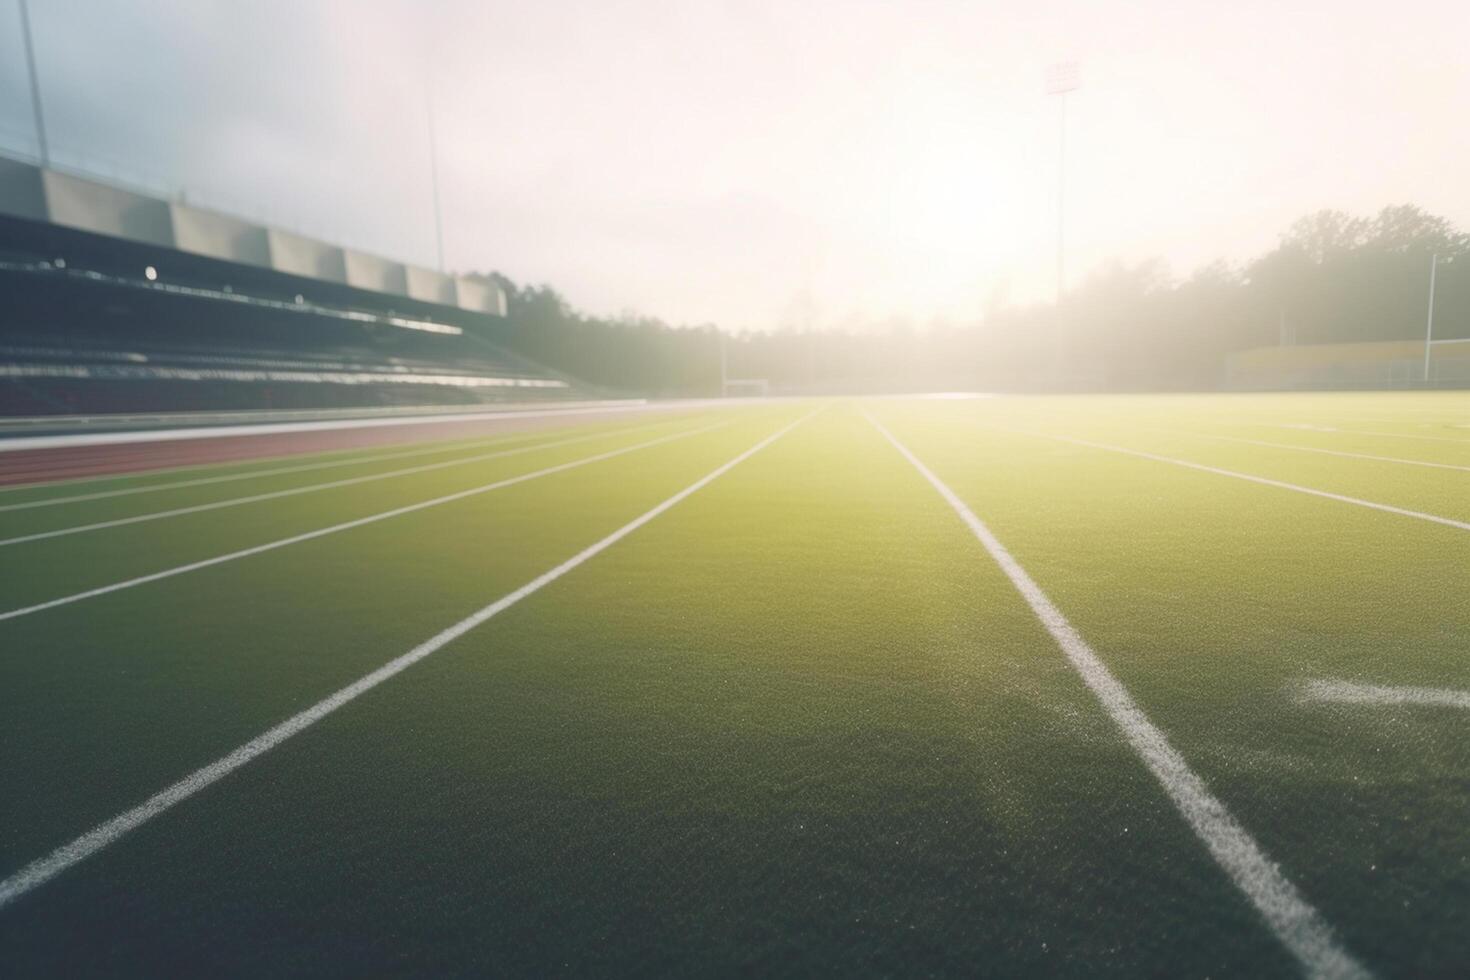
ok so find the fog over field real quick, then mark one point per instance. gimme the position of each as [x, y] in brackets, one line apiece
[759, 165]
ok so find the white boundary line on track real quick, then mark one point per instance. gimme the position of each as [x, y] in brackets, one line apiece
[1350, 692]
[1266, 481]
[1328, 452]
[448, 446]
[309, 488]
[19, 443]
[344, 526]
[43, 870]
[1295, 922]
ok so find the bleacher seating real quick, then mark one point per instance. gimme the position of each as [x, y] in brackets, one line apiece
[97, 339]
[88, 379]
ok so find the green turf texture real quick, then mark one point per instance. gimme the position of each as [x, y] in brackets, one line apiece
[801, 723]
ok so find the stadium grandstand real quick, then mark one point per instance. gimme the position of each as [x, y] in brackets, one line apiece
[119, 302]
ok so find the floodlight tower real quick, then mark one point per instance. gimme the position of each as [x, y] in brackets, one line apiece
[25, 30]
[430, 62]
[1429, 328]
[724, 367]
[1061, 78]
[434, 168]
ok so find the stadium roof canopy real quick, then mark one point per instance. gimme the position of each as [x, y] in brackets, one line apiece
[45, 194]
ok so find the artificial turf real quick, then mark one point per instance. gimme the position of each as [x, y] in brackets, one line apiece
[799, 723]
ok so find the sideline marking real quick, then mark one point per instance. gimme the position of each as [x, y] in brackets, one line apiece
[448, 446]
[1386, 508]
[42, 870]
[1350, 692]
[344, 526]
[1330, 452]
[1295, 922]
[293, 491]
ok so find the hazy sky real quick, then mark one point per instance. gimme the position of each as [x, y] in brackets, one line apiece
[756, 164]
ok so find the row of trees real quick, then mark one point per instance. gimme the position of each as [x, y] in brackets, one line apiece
[1332, 278]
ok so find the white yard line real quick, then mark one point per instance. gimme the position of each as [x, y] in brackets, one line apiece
[39, 872]
[1295, 922]
[1265, 481]
[1330, 452]
[344, 526]
[1348, 692]
[293, 491]
[436, 448]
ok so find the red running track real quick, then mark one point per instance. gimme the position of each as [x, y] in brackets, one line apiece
[21, 466]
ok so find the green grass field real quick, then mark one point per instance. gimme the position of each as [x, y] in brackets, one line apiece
[800, 721]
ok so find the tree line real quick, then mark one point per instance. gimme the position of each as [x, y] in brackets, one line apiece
[1332, 278]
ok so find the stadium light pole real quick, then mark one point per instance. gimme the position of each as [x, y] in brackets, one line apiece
[1429, 327]
[1061, 78]
[25, 29]
[434, 169]
[724, 366]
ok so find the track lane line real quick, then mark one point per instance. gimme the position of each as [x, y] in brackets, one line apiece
[1265, 481]
[344, 526]
[309, 488]
[42, 870]
[1288, 914]
[455, 446]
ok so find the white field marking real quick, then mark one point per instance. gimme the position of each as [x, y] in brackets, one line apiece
[39, 872]
[1295, 922]
[345, 525]
[273, 471]
[1386, 435]
[1348, 692]
[1332, 452]
[1386, 508]
[293, 491]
